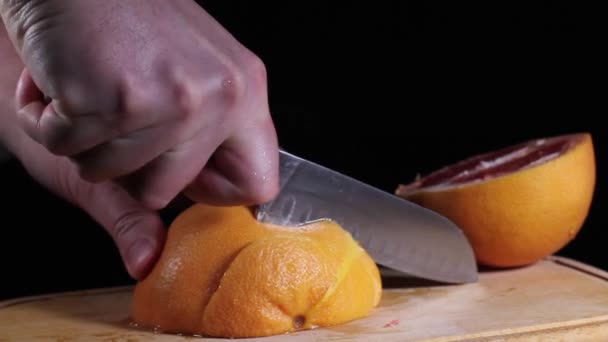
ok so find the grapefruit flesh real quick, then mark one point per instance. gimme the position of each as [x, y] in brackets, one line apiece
[518, 204]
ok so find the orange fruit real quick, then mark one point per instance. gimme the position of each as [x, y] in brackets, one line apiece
[224, 274]
[516, 205]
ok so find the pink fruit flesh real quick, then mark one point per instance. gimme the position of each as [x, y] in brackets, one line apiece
[494, 164]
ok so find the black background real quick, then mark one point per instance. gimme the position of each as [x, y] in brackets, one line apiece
[378, 90]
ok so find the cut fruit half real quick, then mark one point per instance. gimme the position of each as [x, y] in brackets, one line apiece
[518, 204]
[224, 274]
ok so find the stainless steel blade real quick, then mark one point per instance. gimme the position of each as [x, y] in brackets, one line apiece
[397, 233]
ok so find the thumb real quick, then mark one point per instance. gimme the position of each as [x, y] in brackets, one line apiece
[138, 232]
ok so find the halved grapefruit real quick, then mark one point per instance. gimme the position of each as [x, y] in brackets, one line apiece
[224, 274]
[518, 204]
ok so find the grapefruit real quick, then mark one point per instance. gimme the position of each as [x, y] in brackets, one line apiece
[518, 204]
[224, 274]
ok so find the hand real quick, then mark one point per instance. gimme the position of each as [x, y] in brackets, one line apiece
[153, 94]
[137, 231]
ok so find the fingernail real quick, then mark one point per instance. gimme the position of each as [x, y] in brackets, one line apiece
[139, 255]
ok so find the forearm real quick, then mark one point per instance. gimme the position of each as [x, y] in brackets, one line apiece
[10, 67]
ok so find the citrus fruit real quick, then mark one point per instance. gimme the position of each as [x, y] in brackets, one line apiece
[224, 274]
[517, 204]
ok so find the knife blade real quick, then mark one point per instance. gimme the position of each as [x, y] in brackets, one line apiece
[397, 233]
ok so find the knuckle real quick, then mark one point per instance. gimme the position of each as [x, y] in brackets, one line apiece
[73, 98]
[131, 102]
[232, 85]
[126, 225]
[71, 187]
[184, 99]
[256, 70]
[53, 131]
[240, 80]
[172, 94]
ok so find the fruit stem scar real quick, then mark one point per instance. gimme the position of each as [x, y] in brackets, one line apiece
[299, 321]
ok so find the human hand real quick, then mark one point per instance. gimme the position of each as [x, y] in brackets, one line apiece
[153, 94]
[137, 231]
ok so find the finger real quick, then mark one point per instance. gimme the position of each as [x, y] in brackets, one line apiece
[243, 171]
[132, 151]
[122, 156]
[60, 134]
[138, 232]
[161, 180]
[125, 155]
[85, 118]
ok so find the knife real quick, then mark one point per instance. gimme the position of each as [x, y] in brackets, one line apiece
[397, 233]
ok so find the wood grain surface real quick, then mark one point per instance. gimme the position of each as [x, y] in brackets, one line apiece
[556, 299]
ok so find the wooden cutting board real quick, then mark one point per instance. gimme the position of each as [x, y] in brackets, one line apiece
[556, 299]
